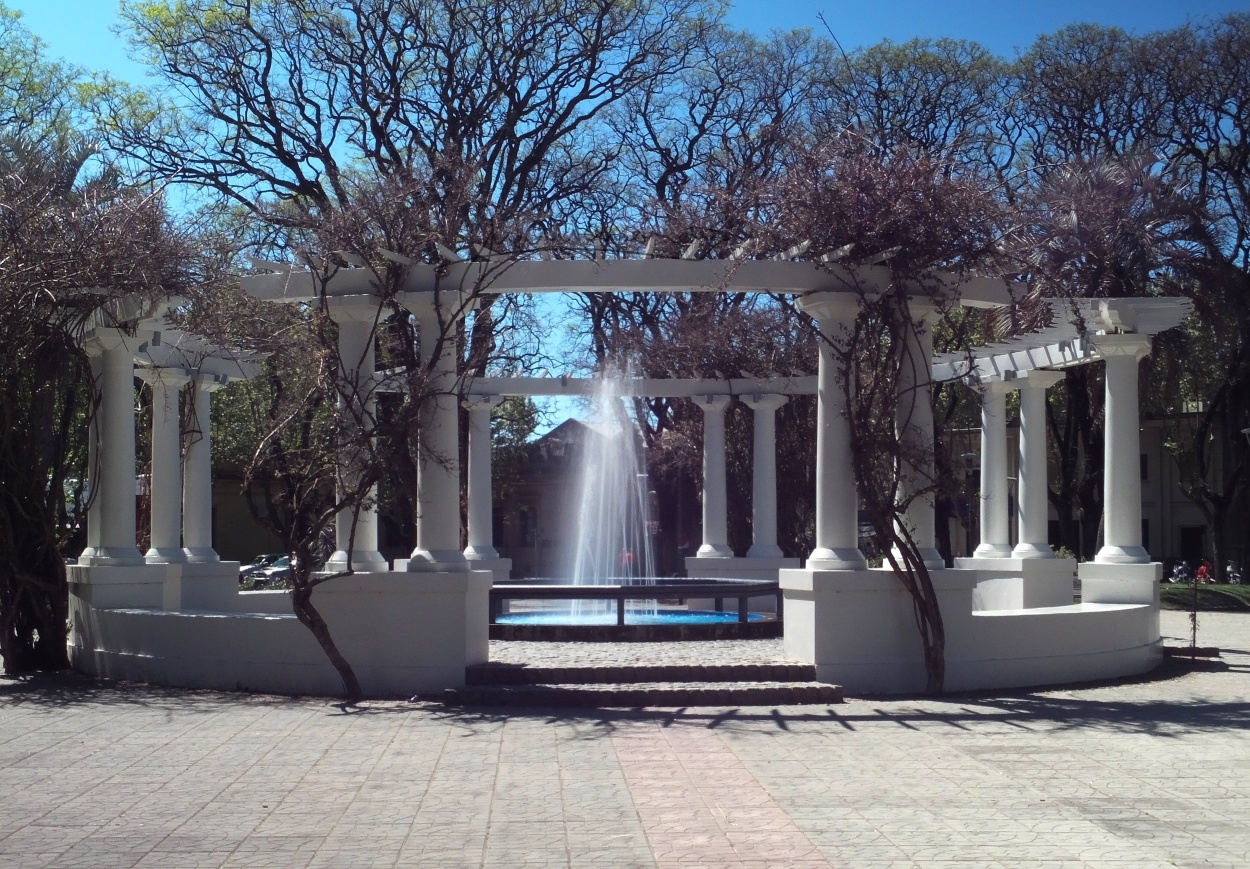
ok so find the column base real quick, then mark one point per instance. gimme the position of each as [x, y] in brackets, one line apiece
[201, 555]
[932, 559]
[136, 586]
[211, 586]
[165, 555]
[714, 550]
[500, 568]
[1020, 583]
[992, 550]
[480, 553]
[116, 556]
[436, 561]
[1032, 550]
[363, 561]
[836, 559]
[1120, 583]
[1122, 555]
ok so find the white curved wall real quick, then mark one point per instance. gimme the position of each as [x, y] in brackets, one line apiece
[858, 629]
[403, 633]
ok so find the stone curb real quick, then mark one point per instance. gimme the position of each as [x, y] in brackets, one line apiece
[629, 695]
[514, 674]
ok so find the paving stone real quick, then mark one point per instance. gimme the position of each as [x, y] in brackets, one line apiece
[1141, 773]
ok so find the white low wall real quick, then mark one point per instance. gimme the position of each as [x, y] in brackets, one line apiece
[858, 628]
[1020, 583]
[403, 633]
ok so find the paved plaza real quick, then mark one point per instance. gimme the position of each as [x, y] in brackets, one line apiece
[1147, 773]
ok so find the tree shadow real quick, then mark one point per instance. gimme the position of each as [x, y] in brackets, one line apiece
[1053, 709]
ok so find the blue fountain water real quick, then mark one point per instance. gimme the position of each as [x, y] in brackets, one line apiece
[662, 617]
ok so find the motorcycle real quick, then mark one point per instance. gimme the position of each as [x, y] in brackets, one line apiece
[1232, 573]
[1180, 573]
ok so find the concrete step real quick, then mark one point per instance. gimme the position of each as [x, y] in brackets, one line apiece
[495, 673]
[634, 694]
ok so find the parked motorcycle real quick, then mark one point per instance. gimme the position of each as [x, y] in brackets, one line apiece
[1232, 573]
[1180, 573]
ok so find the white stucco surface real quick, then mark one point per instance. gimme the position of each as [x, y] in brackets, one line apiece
[403, 633]
[859, 629]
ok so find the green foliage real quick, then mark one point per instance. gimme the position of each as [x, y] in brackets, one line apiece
[512, 425]
[513, 422]
[1207, 597]
[37, 95]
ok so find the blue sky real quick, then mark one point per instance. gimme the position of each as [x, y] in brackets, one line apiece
[80, 30]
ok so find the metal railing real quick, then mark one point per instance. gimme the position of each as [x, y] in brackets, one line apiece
[718, 590]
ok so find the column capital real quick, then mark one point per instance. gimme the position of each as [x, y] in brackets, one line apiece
[481, 402]
[993, 384]
[711, 403]
[1036, 378]
[175, 377]
[840, 307]
[764, 402]
[1137, 346]
[451, 303]
[206, 382]
[105, 338]
[354, 309]
[922, 307]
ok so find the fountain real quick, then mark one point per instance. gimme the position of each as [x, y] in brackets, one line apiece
[612, 546]
[612, 589]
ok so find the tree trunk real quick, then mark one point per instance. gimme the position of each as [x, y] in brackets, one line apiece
[1217, 546]
[904, 558]
[310, 617]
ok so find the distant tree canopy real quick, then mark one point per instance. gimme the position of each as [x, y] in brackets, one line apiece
[1105, 163]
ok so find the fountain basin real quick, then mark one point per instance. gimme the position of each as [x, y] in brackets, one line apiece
[618, 623]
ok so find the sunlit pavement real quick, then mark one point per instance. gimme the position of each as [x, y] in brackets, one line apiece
[1147, 773]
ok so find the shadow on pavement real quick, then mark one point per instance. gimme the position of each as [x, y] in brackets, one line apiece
[1053, 709]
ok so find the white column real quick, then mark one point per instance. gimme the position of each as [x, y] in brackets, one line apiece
[438, 466]
[357, 530]
[915, 430]
[93, 461]
[1031, 507]
[481, 533]
[995, 519]
[197, 476]
[1122, 445]
[115, 494]
[715, 530]
[166, 480]
[837, 498]
[764, 475]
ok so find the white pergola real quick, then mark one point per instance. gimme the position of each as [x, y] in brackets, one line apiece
[437, 295]
[1009, 615]
[1116, 331]
[181, 486]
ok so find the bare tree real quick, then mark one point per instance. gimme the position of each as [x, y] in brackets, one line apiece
[73, 247]
[1207, 128]
[1102, 229]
